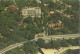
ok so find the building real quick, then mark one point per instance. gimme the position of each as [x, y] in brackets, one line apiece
[69, 6]
[31, 11]
[45, 4]
[68, 16]
[38, 1]
[13, 7]
[55, 25]
[56, 10]
[51, 12]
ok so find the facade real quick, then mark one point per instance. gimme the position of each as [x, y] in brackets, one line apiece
[31, 11]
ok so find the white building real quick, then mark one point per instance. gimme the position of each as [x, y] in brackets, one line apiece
[38, 1]
[31, 11]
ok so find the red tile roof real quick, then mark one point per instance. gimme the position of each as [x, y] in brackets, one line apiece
[52, 25]
[13, 7]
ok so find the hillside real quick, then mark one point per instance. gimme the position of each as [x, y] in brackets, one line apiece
[58, 17]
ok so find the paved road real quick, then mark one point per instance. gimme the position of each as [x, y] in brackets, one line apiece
[10, 47]
[55, 37]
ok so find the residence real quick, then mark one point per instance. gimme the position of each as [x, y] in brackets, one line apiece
[51, 12]
[69, 6]
[31, 11]
[56, 10]
[68, 16]
[38, 1]
[45, 4]
[13, 7]
[55, 25]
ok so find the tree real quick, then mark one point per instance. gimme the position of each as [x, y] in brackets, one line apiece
[41, 42]
[29, 35]
[28, 20]
[30, 47]
[65, 31]
[16, 51]
[71, 41]
[64, 43]
[55, 44]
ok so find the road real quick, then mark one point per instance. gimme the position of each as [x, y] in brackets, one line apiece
[54, 37]
[60, 37]
[10, 47]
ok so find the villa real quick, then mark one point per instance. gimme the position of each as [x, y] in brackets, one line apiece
[31, 11]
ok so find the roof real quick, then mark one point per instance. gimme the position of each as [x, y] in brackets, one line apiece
[51, 12]
[13, 7]
[31, 7]
[69, 16]
[45, 4]
[52, 25]
[56, 10]
[69, 5]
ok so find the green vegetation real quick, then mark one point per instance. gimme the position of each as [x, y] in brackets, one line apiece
[57, 43]
[40, 42]
[16, 51]
[71, 52]
[30, 47]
